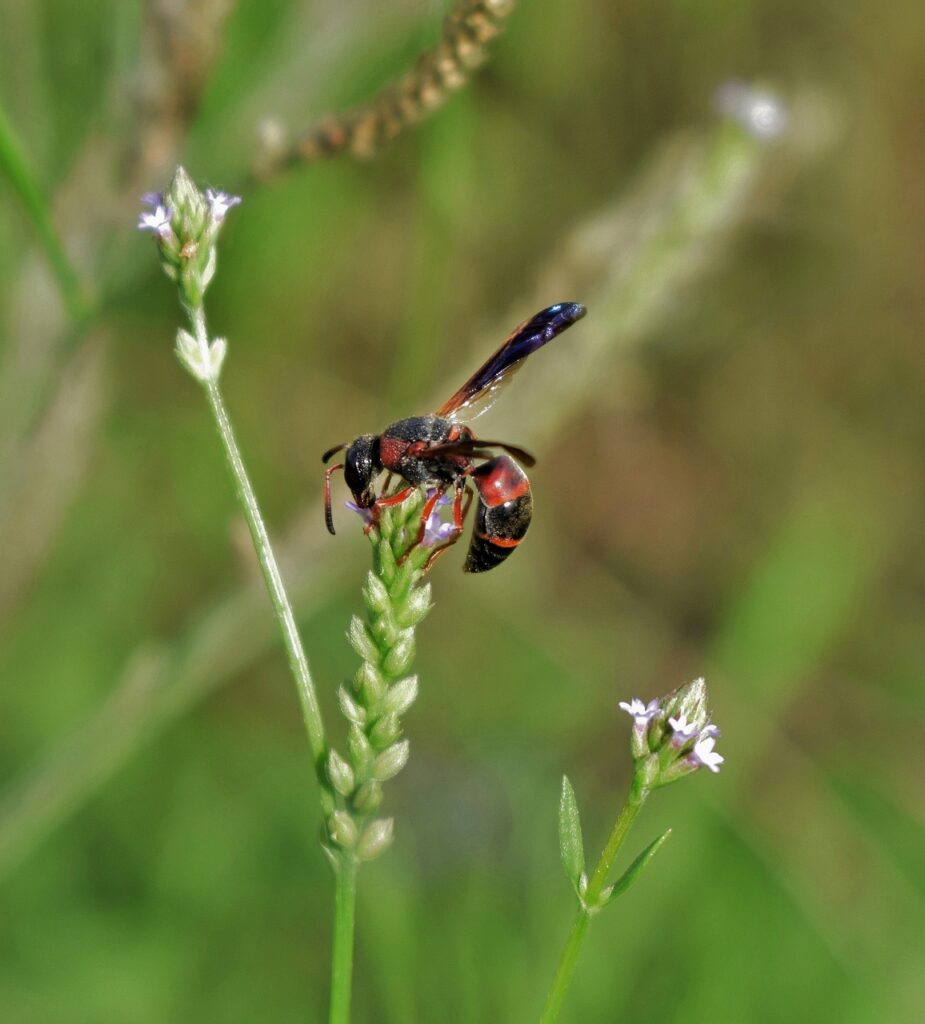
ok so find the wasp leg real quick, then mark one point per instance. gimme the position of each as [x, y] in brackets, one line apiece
[381, 503]
[460, 512]
[394, 499]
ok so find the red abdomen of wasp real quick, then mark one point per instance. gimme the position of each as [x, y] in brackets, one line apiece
[505, 509]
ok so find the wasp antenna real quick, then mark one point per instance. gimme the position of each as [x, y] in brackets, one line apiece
[328, 514]
[333, 451]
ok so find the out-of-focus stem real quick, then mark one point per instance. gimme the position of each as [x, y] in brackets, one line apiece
[345, 894]
[15, 166]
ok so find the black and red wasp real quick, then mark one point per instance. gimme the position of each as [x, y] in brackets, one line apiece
[438, 452]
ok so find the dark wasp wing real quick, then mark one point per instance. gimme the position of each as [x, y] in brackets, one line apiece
[482, 388]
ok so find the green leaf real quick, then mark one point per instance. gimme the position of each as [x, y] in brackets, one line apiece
[571, 846]
[634, 870]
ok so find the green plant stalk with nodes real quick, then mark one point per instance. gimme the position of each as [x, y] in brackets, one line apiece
[672, 737]
[186, 225]
[396, 600]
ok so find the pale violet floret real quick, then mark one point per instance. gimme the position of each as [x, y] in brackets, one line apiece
[159, 220]
[436, 531]
[220, 203]
[641, 713]
[682, 731]
[703, 752]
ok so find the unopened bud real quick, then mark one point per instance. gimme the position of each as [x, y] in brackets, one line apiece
[340, 773]
[389, 763]
[368, 797]
[376, 594]
[401, 696]
[361, 641]
[377, 838]
[384, 629]
[689, 703]
[361, 753]
[400, 657]
[386, 564]
[415, 606]
[342, 830]
[385, 732]
[370, 684]
[349, 707]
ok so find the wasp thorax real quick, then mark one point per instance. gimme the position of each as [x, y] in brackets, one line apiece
[360, 466]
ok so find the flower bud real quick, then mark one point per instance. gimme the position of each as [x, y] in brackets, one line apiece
[377, 838]
[361, 753]
[340, 773]
[385, 562]
[415, 606]
[190, 210]
[384, 629]
[389, 763]
[400, 657]
[349, 707]
[361, 641]
[401, 696]
[689, 702]
[404, 578]
[342, 830]
[370, 684]
[385, 732]
[368, 797]
[376, 594]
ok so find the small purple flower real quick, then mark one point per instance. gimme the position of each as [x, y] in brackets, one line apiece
[153, 199]
[220, 203]
[366, 514]
[159, 221]
[682, 731]
[703, 753]
[436, 531]
[641, 713]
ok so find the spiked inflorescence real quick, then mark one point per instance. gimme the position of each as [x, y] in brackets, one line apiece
[467, 30]
[381, 691]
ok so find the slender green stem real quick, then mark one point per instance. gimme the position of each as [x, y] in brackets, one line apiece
[15, 166]
[596, 883]
[345, 895]
[311, 711]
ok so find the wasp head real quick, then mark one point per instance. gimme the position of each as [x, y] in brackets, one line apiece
[360, 466]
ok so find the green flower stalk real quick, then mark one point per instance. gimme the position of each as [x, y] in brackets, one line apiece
[373, 703]
[381, 691]
[672, 737]
[186, 224]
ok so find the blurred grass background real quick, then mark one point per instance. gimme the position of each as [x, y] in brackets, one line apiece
[738, 494]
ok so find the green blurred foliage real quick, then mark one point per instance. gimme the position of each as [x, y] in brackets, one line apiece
[752, 510]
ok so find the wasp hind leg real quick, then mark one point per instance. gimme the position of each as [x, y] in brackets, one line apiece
[460, 511]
